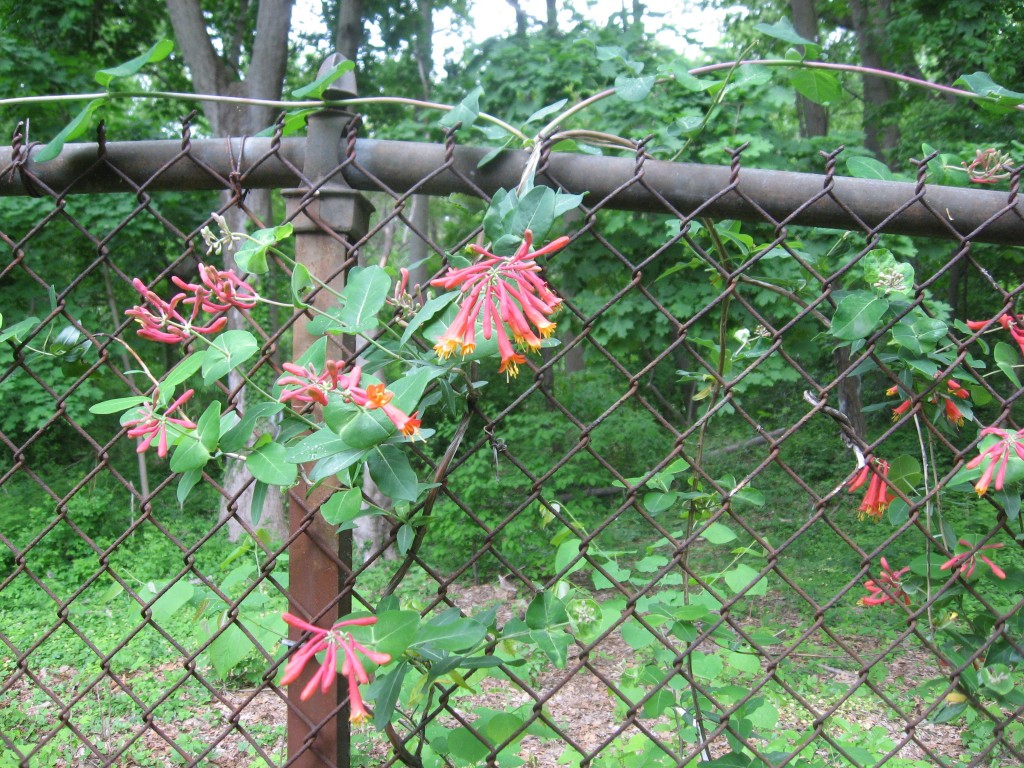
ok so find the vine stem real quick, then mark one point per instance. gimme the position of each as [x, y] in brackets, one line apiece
[543, 134]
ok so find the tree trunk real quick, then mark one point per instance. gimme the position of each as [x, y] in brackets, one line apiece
[813, 117]
[520, 17]
[213, 74]
[551, 24]
[349, 37]
[869, 19]
[849, 392]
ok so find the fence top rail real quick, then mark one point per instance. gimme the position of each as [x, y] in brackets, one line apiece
[788, 198]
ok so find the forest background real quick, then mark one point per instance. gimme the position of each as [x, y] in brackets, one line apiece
[261, 51]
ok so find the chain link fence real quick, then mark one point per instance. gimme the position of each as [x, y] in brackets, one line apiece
[675, 472]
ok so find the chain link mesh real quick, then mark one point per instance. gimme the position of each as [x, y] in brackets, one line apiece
[176, 665]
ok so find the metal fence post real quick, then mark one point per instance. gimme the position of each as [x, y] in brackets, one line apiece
[327, 219]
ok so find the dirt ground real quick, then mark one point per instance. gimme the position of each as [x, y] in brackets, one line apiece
[581, 706]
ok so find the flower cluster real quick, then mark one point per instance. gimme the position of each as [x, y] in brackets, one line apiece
[154, 427]
[507, 296]
[998, 457]
[990, 166]
[330, 642]
[313, 387]
[1012, 323]
[947, 401]
[878, 496]
[163, 320]
[888, 588]
[965, 562]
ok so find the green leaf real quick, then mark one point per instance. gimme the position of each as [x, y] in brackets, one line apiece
[158, 52]
[184, 369]
[783, 30]
[363, 297]
[466, 746]
[554, 645]
[367, 429]
[229, 649]
[633, 89]
[465, 112]
[188, 481]
[546, 611]
[315, 446]
[301, 284]
[707, 665]
[741, 576]
[118, 404]
[390, 469]
[189, 454]
[858, 315]
[535, 212]
[409, 389]
[315, 89]
[227, 351]
[208, 426]
[905, 473]
[269, 464]
[405, 538]
[996, 97]
[458, 635]
[251, 256]
[921, 335]
[543, 112]
[868, 168]
[718, 533]
[168, 604]
[20, 330]
[336, 464]
[343, 506]
[236, 438]
[394, 631]
[78, 125]
[1006, 359]
[430, 310]
[386, 690]
[817, 86]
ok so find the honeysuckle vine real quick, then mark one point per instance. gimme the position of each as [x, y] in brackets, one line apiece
[331, 418]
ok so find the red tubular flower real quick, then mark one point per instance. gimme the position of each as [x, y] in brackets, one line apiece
[878, 497]
[953, 413]
[168, 325]
[887, 589]
[509, 296]
[154, 427]
[224, 285]
[965, 562]
[1012, 323]
[312, 387]
[998, 457]
[329, 641]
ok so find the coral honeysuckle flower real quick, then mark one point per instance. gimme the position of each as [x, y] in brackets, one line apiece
[168, 325]
[1012, 323]
[154, 427]
[990, 166]
[949, 407]
[998, 457]
[965, 562]
[878, 497]
[888, 588]
[508, 297]
[224, 285]
[311, 386]
[330, 641]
